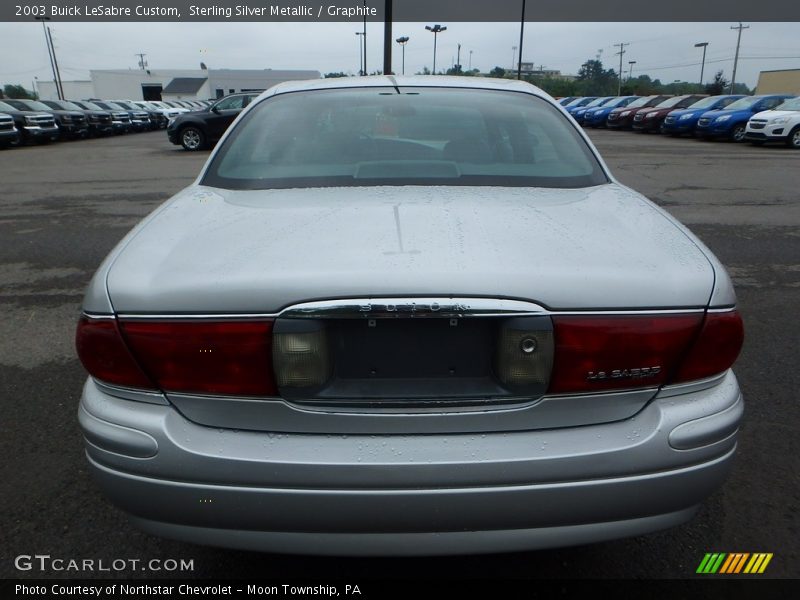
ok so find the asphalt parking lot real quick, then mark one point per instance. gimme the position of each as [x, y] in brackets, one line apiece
[63, 207]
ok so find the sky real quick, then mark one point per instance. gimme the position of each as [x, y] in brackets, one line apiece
[662, 50]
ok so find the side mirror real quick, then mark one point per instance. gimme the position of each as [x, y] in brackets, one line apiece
[214, 109]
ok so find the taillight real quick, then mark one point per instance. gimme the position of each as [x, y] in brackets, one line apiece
[598, 353]
[716, 348]
[221, 357]
[104, 354]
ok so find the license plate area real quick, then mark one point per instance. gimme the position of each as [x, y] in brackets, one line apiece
[412, 359]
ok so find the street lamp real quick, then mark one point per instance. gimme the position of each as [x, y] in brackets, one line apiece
[360, 54]
[702, 45]
[630, 70]
[513, 56]
[403, 41]
[435, 30]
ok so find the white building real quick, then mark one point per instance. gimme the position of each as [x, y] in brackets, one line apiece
[175, 84]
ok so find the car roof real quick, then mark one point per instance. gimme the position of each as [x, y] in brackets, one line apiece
[449, 81]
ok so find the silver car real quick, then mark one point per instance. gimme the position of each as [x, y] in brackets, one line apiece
[408, 316]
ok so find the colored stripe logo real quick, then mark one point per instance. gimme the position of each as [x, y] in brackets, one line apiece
[734, 563]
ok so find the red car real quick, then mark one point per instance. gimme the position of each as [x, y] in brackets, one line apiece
[622, 118]
[651, 119]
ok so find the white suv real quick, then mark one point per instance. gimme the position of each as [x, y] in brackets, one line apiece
[781, 124]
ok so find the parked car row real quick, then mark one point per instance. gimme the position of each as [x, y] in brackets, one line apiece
[758, 119]
[33, 121]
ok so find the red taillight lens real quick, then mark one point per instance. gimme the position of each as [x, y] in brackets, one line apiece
[104, 354]
[223, 357]
[716, 348]
[598, 353]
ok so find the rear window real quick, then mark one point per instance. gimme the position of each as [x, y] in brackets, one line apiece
[417, 136]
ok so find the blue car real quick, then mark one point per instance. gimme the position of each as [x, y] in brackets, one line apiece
[579, 103]
[685, 120]
[578, 113]
[596, 117]
[731, 122]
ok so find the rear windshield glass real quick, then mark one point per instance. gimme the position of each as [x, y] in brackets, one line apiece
[420, 136]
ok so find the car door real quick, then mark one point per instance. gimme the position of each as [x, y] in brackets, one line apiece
[222, 114]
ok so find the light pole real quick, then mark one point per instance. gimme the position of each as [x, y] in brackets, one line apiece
[470, 60]
[403, 41]
[435, 30]
[365, 37]
[360, 54]
[630, 69]
[702, 45]
[513, 56]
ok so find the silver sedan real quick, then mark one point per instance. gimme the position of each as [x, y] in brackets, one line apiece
[408, 316]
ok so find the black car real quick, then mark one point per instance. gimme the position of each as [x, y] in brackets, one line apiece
[154, 118]
[32, 125]
[71, 123]
[120, 118]
[99, 120]
[9, 134]
[140, 120]
[197, 130]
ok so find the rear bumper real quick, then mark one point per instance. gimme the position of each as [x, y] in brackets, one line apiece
[411, 494]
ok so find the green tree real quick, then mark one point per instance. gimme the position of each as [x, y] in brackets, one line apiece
[17, 91]
[596, 80]
[498, 72]
[719, 85]
[336, 74]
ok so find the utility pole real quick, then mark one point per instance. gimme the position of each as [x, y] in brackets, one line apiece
[521, 33]
[513, 56]
[458, 60]
[470, 60]
[142, 61]
[621, 47]
[55, 63]
[49, 53]
[387, 38]
[736, 59]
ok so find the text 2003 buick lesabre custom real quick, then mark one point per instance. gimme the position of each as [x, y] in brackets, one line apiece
[408, 316]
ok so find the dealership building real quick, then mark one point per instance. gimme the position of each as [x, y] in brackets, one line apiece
[171, 84]
[783, 81]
